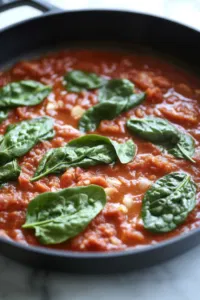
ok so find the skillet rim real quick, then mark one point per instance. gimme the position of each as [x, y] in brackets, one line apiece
[100, 254]
[85, 10]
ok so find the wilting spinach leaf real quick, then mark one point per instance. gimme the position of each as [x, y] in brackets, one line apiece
[108, 110]
[164, 135]
[88, 150]
[21, 137]
[23, 93]
[124, 151]
[168, 202]
[59, 216]
[184, 148]
[155, 130]
[115, 87]
[77, 81]
[9, 172]
[3, 114]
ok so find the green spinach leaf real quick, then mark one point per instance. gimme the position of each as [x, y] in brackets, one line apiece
[9, 172]
[88, 150]
[59, 216]
[184, 148]
[164, 134]
[168, 202]
[155, 130]
[124, 152]
[115, 87]
[108, 110]
[77, 81]
[21, 137]
[23, 93]
[3, 114]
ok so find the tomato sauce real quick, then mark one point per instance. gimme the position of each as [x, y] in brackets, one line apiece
[172, 93]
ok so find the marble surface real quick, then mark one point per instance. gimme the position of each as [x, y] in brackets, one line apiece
[177, 279]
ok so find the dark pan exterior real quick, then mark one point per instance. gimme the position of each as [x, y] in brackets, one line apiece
[122, 28]
[96, 263]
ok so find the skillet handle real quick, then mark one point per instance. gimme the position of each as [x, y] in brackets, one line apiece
[14, 11]
[44, 6]
[41, 5]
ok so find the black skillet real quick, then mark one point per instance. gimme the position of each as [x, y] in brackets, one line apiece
[56, 28]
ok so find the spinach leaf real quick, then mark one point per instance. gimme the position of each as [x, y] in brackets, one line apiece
[164, 134]
[134, 100]
[116, 87]
[3, 114]
[23, 93]
[77, 81]
[88, 150]
[108, 110]
[21, 137]
[9, 172]
[59, 216]
[124, 152]
[155, 130]
[168, 202]
[184, 148]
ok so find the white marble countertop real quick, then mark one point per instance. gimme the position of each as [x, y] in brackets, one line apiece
[177, 279]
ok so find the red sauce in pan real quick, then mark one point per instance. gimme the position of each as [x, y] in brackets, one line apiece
[172, 93]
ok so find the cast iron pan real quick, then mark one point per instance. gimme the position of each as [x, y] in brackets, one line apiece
[56, 28]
